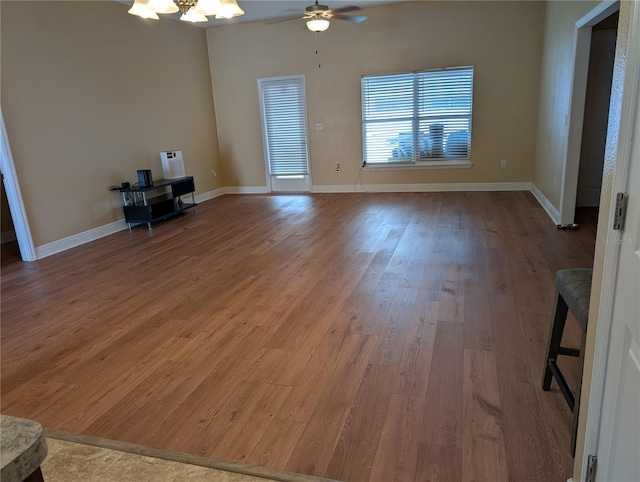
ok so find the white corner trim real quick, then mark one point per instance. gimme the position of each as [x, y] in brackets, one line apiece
[14, 196]
[246, 190]
[7, 237]
[551, 210]
[80, 238]
[434, 187]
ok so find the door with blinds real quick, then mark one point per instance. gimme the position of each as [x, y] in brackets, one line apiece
[284, 130]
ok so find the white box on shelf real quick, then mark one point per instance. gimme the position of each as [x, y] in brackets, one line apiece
[172, 164]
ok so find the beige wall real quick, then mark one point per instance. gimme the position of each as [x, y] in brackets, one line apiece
[502, 40]
[89, 95]
[555, 84]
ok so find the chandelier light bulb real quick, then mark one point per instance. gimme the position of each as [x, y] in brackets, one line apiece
[163, 6]
[141, 8]
[193, 16]
[208, 7]
[229, 9]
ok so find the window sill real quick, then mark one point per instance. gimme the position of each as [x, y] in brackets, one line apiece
[454, 164]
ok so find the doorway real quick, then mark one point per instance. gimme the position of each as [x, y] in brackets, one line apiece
[283, 109]
[14, 197]
[10, 251]
[596, 112]
[595, 36]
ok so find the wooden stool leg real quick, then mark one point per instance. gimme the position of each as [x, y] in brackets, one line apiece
[555, 337]
[36, 476]
[576, 406]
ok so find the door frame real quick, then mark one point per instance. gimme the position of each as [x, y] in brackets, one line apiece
[575, 118]
[14, 196]
[627, 96]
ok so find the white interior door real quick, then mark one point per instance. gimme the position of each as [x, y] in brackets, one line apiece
[619, 440]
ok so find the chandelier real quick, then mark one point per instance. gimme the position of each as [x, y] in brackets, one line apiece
[192, 10]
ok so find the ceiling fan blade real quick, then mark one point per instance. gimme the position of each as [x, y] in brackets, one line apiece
[350, 18]
[280, 20]
[350, 8]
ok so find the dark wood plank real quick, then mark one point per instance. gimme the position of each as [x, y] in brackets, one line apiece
[452, 298]
[277, 443]
[396, 325]
[483, 449]
[478, 334]
[415, 365]
[439, 464]
[442, 424]
[527, 457]
[250, 425]
[354, 454]
[315, 448]
[399, 446]
[508, 339]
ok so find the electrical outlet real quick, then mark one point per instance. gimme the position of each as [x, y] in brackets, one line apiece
[337, 167]
[213, 173]
[503, 163]
[319, 127]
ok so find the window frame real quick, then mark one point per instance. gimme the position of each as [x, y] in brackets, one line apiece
[417, 119]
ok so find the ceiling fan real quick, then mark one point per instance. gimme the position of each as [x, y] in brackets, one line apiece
[318, 16]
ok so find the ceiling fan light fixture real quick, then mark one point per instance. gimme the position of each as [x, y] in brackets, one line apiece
[318, 24]
[141, 8]
[163, 6]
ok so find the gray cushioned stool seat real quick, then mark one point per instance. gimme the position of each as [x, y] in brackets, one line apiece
[574, 285]
[574, 292]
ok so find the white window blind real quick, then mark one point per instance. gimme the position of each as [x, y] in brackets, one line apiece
[284, 125]
[417, 116]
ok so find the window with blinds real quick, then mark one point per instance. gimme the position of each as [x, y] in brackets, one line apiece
[417, 116]
[283, 105]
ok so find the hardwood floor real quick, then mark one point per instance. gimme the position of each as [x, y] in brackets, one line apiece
[359, 337]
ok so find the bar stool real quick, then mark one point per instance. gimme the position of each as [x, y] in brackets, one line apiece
[574, 290]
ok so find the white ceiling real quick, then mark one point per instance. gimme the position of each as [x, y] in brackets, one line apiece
[263, 10]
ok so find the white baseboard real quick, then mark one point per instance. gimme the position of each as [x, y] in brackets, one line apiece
[246, 190]
[435, 187]
[80, 238]
[551, 210]
[205, 196]
[7, 237]
[112, 228]
[102, 231]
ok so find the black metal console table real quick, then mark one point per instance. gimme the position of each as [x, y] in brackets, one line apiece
[149, 204]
